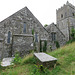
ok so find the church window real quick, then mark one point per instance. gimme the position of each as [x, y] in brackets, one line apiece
[61, 15]
[73, 14]
[53, 35]
[9, 35]
[24, 28]
[36, 37]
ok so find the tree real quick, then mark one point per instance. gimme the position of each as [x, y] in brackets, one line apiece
[45, 25]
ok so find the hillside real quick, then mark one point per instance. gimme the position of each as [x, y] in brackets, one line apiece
[65, 64]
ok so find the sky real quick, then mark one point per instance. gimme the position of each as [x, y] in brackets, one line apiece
[43, 10]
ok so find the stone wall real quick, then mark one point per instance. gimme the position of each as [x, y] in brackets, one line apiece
[66, 19]
[1, 48]
[60, 37]
[15, 25]
[22, 44]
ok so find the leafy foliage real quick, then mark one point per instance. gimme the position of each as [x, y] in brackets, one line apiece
[45, 25]
[57, 44]
[70, 41]
[0, 66]
[50, 48]
[72, 36]
[45, 46]
[32, 31]
[73, 33]
[40, 46]
[40, 70]
[17, 59]
[65, 64]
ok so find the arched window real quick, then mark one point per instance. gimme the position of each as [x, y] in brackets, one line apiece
[24, 28]
[9, 35]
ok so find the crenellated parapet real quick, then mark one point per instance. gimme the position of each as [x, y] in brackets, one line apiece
[67, 4]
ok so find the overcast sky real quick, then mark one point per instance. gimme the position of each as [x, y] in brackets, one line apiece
[43, 10]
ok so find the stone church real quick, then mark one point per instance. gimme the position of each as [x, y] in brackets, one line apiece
[20, 31]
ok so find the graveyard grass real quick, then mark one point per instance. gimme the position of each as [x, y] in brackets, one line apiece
[65, 64]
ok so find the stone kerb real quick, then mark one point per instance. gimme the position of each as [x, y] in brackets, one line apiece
[46, 59]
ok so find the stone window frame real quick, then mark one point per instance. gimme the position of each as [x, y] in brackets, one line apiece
[36, 39]
[61, 15]
[9, 37]
[24, 28]
[53, 36]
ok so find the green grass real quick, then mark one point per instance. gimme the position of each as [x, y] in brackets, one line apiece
[65, 64]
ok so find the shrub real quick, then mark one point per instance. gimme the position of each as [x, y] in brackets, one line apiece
[50, 48]
[57, 44]
[45, 25]
[40, 46]
[40, 70]
[45, 46]
[0, 66]
[17, 59]
[70, 41]
[73, 33]
[32, 31]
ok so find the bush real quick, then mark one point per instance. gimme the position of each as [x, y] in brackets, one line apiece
[50, 48]
[40, 70]
[45, 46]
[73, 33]
[40, 46]
[57, 44]
[45, 25]
[70, 41]
[0, 66]
[32, 31]
[17, 59]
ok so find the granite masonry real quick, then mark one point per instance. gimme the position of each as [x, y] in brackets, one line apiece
[17, 33]
[55, 35]
[66, 19]
[22, 32]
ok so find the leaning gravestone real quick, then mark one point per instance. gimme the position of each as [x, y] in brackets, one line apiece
[7, 61]
[46, 59]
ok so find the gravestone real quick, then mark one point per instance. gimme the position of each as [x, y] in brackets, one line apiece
[46, 59]
[7, 61]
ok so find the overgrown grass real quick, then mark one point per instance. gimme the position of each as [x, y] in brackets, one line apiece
[66, 59]
[65, 64]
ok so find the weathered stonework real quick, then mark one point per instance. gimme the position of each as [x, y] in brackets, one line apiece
[22, 44]
[1, 48]
[59, 36]
[66, 19]
[18, 31]
[21, 40]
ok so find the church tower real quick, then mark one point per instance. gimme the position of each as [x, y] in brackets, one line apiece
[66, 19]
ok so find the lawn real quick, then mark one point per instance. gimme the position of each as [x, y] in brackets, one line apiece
[65, 64]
